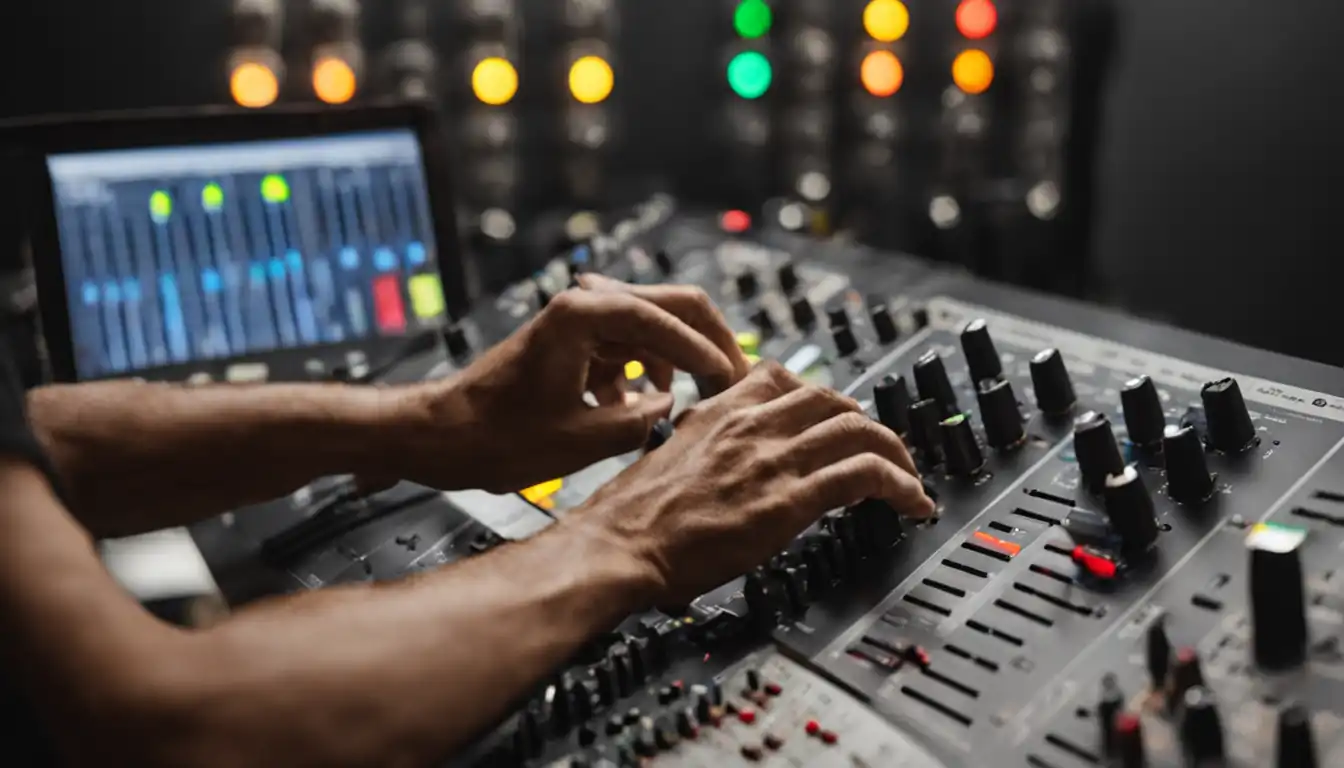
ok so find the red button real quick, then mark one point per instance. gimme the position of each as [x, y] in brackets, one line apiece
[746, 715]
[829, 737]
[812, 727]
[774, 689]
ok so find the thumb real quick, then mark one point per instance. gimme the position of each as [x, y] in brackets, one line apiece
[610, 430]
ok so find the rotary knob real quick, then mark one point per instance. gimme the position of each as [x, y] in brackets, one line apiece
[925, 432]
[932, 383]
[998, 410]
[1159, 654]
[1201, 727]
[1188, 478]
[837, 317]
[845, 343]
[455, 340]
[763, 322]
[1129, 741]
[1130, 510]
[1278, 599]
[747, 285]
[1230, 426]
[981, 357]
[1142, 407]
[804, 316]
[964, 458]
[1186, 673]
[891, 396]
[1095, 448]
[663, 261]
[1110, 704]
[1050, 379]
[788, 278]
[1295, 747]
[883, 322]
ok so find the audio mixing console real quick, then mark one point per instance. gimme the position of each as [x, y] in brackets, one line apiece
[1134, 563]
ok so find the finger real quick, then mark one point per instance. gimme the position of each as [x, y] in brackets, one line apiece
[606, 380]
[859, 477]
[689, 303]
[618, 318]
[844, 435]
[766, 382]
[805, 407]
[611, 430]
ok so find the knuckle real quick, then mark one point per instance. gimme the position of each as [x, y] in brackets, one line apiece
[567, 303]
[699, 299]
[852, 425]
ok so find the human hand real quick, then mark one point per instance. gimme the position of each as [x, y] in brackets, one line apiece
[517, 416]
[746, 472]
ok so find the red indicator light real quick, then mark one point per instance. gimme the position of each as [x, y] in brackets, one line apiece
[812, 727]
[389, 309]
[747, 715]
[976, 19]
[1008, 547]
[735, 222]
[1095, 563]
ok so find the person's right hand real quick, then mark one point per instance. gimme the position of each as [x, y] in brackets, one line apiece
[744, 473]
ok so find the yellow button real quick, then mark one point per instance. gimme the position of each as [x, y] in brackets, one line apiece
[426, 296]
[542, 491]
[749, 342]
[634, 369]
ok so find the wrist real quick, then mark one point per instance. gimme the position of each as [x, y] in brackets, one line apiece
[422, 433]
[618, 552]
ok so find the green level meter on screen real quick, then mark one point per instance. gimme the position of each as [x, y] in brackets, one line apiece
[274, 189]
[749, 74]
[160, 205]
[212, 197]
[752, 19]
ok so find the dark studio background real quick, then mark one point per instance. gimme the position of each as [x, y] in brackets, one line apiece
[1220, 141]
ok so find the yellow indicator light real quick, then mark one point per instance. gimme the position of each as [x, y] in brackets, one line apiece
[591, 80]
[426, 296]
[749, 342]
[494, 81]
[886, 20]
[254, 85]
[881, 73]
[634, 369]
[542, 492]
[334, 80]
[973, 71]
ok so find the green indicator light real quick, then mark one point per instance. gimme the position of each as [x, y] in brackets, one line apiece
[953, 421]
[749, 74]
[212, 197]
[752, 19]
[160, 205]
[274, 189]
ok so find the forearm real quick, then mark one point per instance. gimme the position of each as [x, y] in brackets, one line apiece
[397, 674]
[137, 456]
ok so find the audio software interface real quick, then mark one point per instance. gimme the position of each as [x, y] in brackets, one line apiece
[1134, 561]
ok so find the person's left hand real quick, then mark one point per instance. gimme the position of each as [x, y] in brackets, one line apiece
[517, 417]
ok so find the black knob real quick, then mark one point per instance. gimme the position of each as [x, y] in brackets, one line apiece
[1129, 507]
[1201, 727]
[925, 433]
[1295, 747]
[747, 286]
[920, 317]
[562, 706]
[763, 322]
[964, 458]
[794, 579]
[892, 398]
[765, 600]
[879, 525]
[1050, 379]
[1188, 478]
[587, 736]
[999, 412]
[837, 317]
[662, 432]
[981, 357]
[455, 340]
[1110, 704]
[645, 746]
[664, 735]
[663, 260]
[686, 725]
[883, 323]
[1095, 448]
[932, 383]
[1158, 654]
[753, 679]
[543, 297]
[638, 650]
[625, 678]
[703, 708]
[605, 674]
[1185, 674]
[822, 564]
[1230, 427]
[804, 316]
[1144, 417]
[530, 739]
[1129, 741]
[1278, 599]
[788, 278]
[845, 343]
[615, 724]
